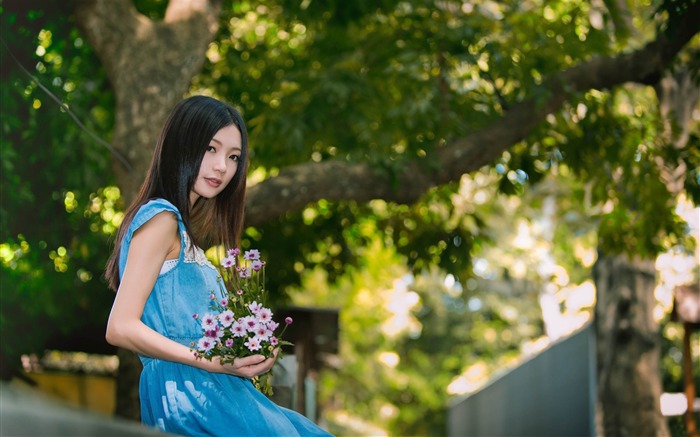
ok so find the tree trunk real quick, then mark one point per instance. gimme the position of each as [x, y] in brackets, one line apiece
[150, 65]
[628, 349]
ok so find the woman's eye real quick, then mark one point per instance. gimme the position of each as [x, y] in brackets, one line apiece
[211, 149]
[235, 157]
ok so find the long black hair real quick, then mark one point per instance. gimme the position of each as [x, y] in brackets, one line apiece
[187, 132]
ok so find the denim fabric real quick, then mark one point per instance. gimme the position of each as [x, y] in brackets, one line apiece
[182, 399]
[181, 291]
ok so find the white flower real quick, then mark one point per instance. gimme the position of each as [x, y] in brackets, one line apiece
[208, 321]
[255, 307]
[264, 315]
[252, 344]
[262, 333]
[228, 262]
[256, 265]
[251, 255]
[206, 344]
[238, 329]
[226, 318]
[250, 323]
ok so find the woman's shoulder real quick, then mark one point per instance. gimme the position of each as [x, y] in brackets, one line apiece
[152, 208]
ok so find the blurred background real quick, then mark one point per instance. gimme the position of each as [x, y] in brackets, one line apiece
[485, 213]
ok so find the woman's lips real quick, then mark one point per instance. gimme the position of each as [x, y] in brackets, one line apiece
[213, 182]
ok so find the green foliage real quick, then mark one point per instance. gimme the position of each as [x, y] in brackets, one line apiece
[634, 207]
[383, 82]
[394, 82]
[154, 9]
[433, 232]
[414, 335]
[399, 80]
[54, 220]
[404, 338]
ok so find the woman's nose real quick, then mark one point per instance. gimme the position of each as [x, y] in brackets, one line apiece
[220, 164]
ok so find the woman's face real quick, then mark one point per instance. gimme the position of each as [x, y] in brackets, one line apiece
[219, 164]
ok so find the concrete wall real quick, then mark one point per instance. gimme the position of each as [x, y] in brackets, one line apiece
[26, 411]
[92, 392]
[552, 394]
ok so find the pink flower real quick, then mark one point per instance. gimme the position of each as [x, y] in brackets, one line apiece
[205, 343]
[256, 265]
[236, 311]
[226, 318]
[228, 262]
[252, 344]
[264, 315]
[250, 323]
[238, 329]
[262, 333]
[208, 321]
[217, 332]
[251, 255]
[255, 307]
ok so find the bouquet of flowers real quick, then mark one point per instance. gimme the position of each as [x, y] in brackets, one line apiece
[239, 324]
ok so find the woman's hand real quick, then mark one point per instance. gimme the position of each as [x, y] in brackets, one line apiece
[247, 367]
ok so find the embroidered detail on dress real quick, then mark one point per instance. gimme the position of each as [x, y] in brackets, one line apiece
[199, 256]
[168, 265]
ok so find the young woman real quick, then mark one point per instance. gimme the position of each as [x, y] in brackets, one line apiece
[193, 196]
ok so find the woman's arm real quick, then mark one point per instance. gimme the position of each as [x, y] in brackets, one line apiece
[153, 243]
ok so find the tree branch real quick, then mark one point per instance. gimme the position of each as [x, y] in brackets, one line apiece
[296, 186]
[123, 38]
[179, 10]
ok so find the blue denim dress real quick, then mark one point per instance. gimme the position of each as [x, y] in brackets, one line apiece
[181, 399]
